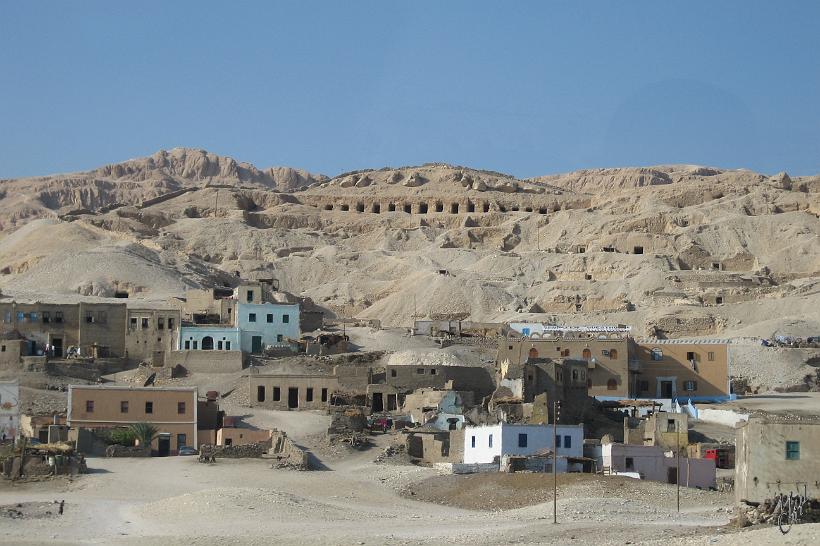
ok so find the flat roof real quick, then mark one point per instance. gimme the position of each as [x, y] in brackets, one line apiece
[694, 341]
[130, 388]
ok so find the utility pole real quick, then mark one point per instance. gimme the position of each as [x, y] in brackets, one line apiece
[677, 467]
[556, 409]
[216, 204]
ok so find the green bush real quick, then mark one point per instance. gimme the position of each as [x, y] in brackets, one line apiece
[122, 436]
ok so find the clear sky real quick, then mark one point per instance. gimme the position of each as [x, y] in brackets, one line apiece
[527, 88]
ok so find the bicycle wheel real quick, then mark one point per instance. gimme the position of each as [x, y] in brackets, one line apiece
[784, 521]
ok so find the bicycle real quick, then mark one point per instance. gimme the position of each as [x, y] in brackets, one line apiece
[789, 510]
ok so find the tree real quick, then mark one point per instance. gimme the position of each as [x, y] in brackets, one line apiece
[122, 436]
[145, 433]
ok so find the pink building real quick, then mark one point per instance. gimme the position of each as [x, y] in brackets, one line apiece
[652, 463]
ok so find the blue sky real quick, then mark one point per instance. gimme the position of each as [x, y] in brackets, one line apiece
[528, 88]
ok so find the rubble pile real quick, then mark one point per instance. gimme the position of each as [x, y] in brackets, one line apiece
[245, 451]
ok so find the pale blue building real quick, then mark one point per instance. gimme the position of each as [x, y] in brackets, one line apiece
[209, 338]
[267, 325]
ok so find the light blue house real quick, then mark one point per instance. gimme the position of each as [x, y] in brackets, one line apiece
[209, 338]
[266, 325]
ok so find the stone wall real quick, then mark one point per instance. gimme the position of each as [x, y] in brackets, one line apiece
[126, 451]
[206, 361]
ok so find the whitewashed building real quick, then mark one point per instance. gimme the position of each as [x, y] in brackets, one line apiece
[496, 444]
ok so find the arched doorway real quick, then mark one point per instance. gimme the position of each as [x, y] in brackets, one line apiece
[613, 354]
[533, 353]
[586, 354]
[207, 343]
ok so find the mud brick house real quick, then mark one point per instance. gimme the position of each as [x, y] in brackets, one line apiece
[692, 369]
[172, 410]
[604, 348]
[774, 455]
[291, 391]
[151, 334]
[97, 329]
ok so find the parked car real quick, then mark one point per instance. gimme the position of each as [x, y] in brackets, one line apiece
[187, 450]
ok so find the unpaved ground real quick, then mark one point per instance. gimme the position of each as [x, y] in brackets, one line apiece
[179, 501]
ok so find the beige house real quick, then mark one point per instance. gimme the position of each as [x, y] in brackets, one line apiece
[98, 329]
[669, 431]
[774, 456]
[291, 391]
[680, 368]
[151, 334]
[172, 410]
[606, 355]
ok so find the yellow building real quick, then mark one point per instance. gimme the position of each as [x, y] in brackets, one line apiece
[680, 368]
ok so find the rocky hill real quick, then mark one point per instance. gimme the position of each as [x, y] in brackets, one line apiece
[671, 250]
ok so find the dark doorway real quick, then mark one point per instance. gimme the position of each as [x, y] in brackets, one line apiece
[422, 208]
[260, 393]
[43, 436]
[672, 475]
[293, 397]
[637, 250]
[207, 343]
[666, 389]
[228, 442]
[378, 402]
[391, 402]
[57, 344]
[164, 445]
[256, 344]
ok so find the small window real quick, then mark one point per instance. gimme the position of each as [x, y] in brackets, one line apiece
[149, 407]
[472, 441]
[568, 442]
[124, 406]
[46, 317]
[690, 356]
[710, 356]
[33, 317]
[187, 345]
[260, 393]
[160, 323]
[490, 441]
[611, 385]
[251, 317]
[89, 317]
[793, 451]
[276, 394]
[144, 323]
[270, 318]
[643, 386]
[58, 316]
[196, 345]
[170, 324]
[2, 348]
[89, 406]
[279, 338]
[181, 408]
[690, 386]
[557, 440]
[509, 347]
[420, 371]
[285, 319]
[656, 354]
[393, 373]
[249, 295]
[219, 345]
[309, 395]
[102, 317]
[182, 440]
[324, 395]
[433, 371]
[133, 323]
[522, 440]
[227, 345]
[613, 354]
[670, 425]
[575, 375]
[630, 463]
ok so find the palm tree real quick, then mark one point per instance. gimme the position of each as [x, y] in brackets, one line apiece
[145, 433]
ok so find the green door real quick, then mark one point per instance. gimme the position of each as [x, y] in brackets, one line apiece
[256, 344]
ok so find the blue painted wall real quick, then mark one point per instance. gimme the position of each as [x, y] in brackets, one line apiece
[270, 323]
[195, 335]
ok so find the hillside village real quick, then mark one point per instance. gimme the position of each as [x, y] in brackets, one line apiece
[436, 345]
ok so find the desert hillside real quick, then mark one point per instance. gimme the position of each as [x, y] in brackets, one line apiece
[673, 251]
